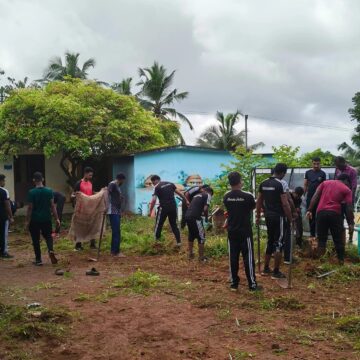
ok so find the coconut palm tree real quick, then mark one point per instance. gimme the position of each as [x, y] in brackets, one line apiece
[123, 87]
[224, 136]
[156, 94]
[58, 69]
[352, 153]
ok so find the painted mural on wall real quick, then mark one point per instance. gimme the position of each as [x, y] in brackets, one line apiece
[182, 181]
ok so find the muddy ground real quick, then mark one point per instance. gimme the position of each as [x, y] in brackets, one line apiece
[186, 311]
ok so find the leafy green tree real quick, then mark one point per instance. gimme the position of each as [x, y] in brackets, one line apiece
[287, 154]
[352, 153]
[123, 87]
[157, 95]
[79, 119]
[291, 157]
[327, 158]
[224, 135]
[244, 162]
[58, 70]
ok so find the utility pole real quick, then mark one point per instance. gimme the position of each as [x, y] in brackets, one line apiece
[246, 132]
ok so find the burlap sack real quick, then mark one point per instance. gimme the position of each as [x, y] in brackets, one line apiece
[88, 216]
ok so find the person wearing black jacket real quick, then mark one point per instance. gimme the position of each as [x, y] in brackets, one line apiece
[239, 205]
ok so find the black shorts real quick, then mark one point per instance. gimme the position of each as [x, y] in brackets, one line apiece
[196, 230]
[276, 232]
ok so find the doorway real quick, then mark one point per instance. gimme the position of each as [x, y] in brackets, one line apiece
[24, 168]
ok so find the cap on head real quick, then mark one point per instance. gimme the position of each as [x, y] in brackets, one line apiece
[38, 176]
[234, 178]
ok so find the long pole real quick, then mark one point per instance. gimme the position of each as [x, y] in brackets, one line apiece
[246, 132]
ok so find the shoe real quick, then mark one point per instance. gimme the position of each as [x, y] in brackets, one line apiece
[37, 263]
[278, 275]
[53, 259]
[121, 255]
[234, 287]
[93, 244]
[6, 256]
[92, 272]
[256, 288]
[266, 272]
[204, 259]
[178, 244]
[287, 262]
[78, 247]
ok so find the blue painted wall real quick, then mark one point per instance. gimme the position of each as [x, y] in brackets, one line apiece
[179, 165]
[176, 165]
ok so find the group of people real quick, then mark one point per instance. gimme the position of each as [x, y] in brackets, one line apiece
[328, 203]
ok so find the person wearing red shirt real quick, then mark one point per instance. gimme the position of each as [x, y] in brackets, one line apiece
[332, 196]
[85, 186]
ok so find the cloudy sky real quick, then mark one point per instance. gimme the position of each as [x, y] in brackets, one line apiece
[293, 66]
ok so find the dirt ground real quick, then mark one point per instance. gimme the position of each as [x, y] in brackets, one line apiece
[190, 314]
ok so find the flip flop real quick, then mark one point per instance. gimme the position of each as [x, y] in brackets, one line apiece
[92, 272]
[59, 272]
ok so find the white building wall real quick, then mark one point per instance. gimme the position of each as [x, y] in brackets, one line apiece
[7, 168]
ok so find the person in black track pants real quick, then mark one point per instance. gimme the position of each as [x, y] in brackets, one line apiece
[239, 205]
[165, 192]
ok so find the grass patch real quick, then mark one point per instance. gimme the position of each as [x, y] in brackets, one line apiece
[45, 285]
[281, 303]
[17, 322]
[140, 282]
[349, 324]
[82, 297]
[236, 354]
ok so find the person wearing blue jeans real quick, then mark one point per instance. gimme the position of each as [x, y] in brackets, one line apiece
[114, 212]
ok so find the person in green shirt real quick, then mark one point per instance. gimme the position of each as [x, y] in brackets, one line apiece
[38, 219]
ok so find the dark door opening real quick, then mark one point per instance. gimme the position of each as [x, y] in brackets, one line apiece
[24, 168]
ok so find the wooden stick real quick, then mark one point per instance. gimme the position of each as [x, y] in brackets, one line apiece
[259, 252]
[101, 235]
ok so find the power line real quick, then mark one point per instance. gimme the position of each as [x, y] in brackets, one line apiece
[302, 123]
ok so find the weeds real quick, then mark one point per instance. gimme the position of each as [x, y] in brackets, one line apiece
[140, 282]
[44, 285]
[19, 322]
[240, 355]
[82, 297]
[281, 302]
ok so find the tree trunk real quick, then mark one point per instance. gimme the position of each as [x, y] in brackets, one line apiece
[70, 174]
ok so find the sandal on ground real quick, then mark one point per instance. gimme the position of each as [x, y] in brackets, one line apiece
[92, 272]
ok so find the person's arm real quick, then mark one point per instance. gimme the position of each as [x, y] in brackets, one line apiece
[306, 185]
[28, 215]
[206, 212]
[354, 181]
[53, 209]
[292, 205]
[152, 204]
[183, 197]
[8, 210]
[286, 206]
[259, 206]
[314, 200]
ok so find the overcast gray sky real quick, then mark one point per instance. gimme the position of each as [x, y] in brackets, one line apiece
[290, 61]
